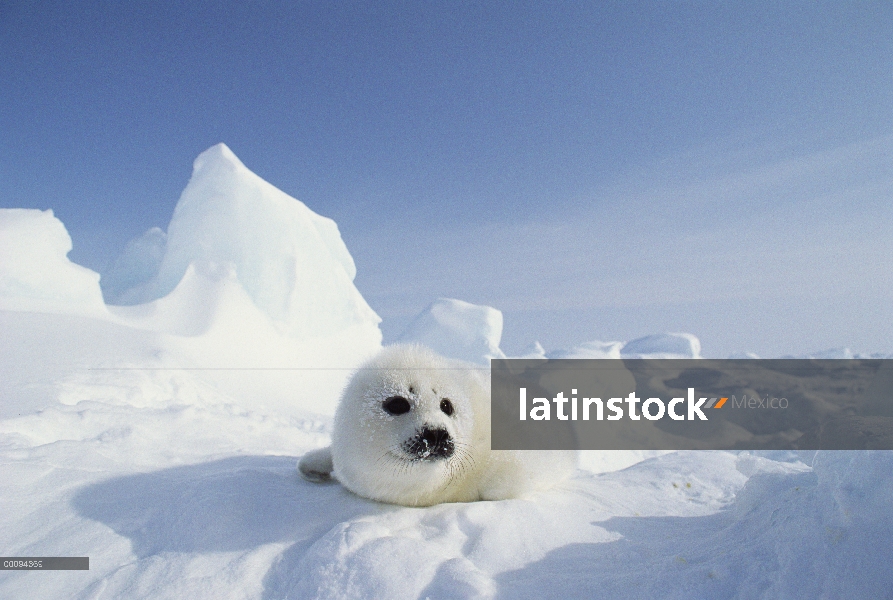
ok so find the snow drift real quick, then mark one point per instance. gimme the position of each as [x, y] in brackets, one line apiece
[662, 345]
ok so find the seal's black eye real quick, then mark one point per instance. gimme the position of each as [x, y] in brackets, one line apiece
[396, 405]
[446, 406]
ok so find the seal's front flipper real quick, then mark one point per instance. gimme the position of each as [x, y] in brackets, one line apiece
[316, 465]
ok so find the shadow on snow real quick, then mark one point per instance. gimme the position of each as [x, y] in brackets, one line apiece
[231, 504]
[783, 536]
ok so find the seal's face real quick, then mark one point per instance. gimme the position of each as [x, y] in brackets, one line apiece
[432, 441]
[420, 415]
[404, 428]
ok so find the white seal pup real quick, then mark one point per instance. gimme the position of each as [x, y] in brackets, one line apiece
[413, 428]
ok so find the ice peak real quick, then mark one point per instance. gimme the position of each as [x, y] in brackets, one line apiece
[291, 261]
[218, 154]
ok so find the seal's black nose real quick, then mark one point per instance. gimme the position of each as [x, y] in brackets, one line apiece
[431, 444]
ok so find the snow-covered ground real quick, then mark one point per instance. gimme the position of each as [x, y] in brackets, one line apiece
[160, 439]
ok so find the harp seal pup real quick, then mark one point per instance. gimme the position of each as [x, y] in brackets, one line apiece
[413, 428]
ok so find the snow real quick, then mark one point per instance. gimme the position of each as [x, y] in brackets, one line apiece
[278, 247]
[160, 439]
[664, 345]
[35, 273]
[458, 329]
[593, 349]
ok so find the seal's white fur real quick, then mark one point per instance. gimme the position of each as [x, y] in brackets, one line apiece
[369, 453]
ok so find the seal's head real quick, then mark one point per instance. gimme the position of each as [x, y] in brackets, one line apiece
[407, 429]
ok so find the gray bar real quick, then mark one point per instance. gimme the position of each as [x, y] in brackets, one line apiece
[45, 563]
[783, 404]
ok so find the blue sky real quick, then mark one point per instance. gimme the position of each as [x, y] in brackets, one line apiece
[595, 170]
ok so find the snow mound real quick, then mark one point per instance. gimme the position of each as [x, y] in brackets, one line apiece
[35, 273]
[594, 349]
[291, 261]
[663, 345]
[457, 329]
[210, 323]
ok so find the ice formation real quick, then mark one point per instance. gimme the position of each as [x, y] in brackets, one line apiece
[593, 349]
[291, 261]
[249, 286]
[35, 273]
[136, 265]
[663, 345]
[458, 329]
